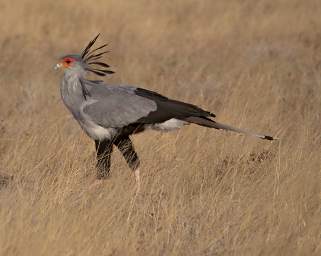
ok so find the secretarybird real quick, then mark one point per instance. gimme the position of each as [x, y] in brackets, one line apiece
[109, 114]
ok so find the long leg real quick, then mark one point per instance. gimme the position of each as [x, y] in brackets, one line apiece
[104, 149]
[126, 147]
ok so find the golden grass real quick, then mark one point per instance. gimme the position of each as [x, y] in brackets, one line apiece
[256, 64]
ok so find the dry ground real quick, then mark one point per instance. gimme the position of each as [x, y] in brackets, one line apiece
[256, 64]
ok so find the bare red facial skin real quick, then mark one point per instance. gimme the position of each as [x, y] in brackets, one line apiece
[67, 62]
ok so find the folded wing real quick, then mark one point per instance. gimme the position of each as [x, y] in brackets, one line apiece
[119, 106]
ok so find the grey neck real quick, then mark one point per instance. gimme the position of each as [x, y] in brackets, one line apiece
[72, 91]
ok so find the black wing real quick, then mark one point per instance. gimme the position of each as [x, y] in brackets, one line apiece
[168, 109]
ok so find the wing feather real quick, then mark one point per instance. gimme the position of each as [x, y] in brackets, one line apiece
[168, 108]
[116, 107]
[119, 106]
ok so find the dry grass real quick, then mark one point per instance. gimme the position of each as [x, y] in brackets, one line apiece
[256, 64]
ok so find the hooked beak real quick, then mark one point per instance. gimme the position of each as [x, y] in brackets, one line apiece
[57, 66]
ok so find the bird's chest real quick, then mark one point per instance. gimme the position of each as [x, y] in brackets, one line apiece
[72, 97]
[94, 130]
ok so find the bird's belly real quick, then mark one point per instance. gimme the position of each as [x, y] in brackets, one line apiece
[98, 132]
[169, 125]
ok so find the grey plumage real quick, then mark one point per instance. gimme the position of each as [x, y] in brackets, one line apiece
[126, 105]
[110, 114]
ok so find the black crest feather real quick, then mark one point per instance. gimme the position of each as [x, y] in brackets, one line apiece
[92, 59]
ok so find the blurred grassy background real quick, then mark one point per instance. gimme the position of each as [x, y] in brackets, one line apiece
[256, 64]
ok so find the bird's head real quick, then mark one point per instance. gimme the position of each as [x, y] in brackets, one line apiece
[88, 60]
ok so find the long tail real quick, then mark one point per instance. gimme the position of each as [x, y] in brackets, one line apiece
[203, 121]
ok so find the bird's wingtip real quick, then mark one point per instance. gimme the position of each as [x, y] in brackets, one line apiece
[267, 137]
[212, 114]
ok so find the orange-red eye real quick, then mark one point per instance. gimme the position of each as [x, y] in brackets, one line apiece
[67, 61]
